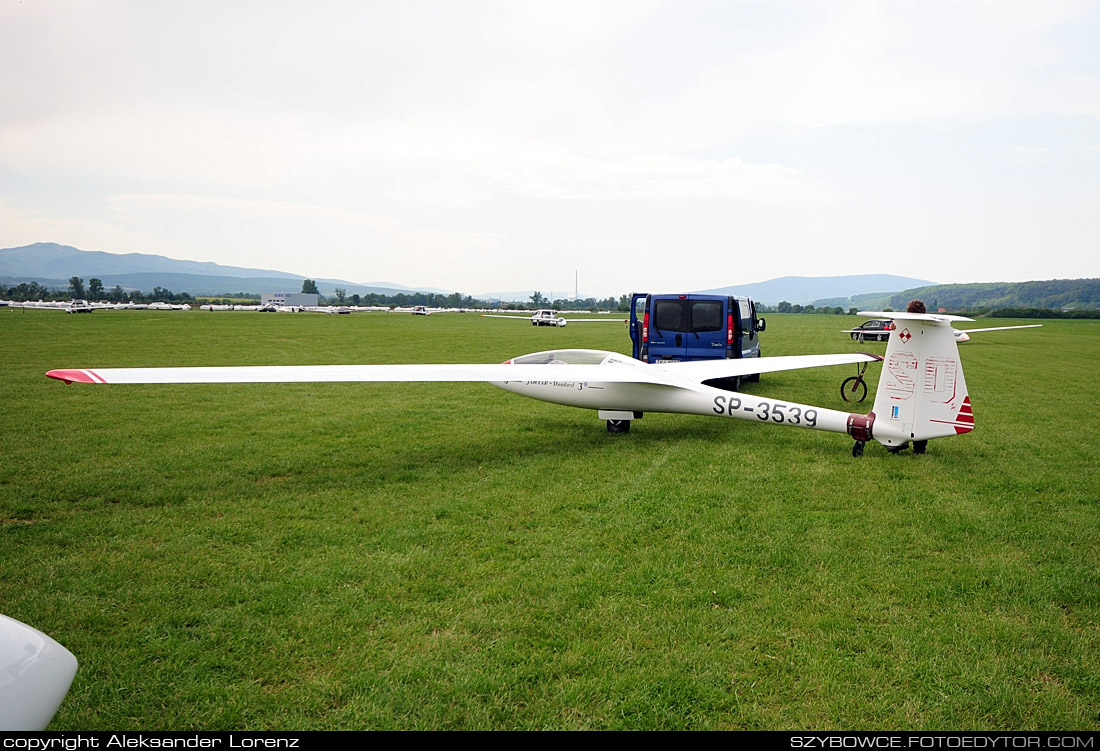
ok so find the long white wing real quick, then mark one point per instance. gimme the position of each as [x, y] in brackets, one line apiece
[565, 365]
[934, 318]
[705, 370]
[361, 373]
[1002, 328]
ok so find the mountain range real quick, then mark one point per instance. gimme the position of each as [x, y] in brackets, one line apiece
[823, 290]
[52, 265]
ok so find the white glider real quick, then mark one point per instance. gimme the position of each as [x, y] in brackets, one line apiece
[552, 318]
[961, 335]
[921, 393]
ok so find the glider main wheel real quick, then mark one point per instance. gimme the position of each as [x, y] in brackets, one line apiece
[854, 389]
[618, 426]
[919, 447]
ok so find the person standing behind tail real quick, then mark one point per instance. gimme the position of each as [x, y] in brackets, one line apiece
[916, 306]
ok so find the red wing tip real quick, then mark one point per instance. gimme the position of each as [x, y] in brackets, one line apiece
[72, 376]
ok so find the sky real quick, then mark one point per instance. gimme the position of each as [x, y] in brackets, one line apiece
[609, 146]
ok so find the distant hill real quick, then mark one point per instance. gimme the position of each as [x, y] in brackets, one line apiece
[52, 265]
[807, 290]
[1053, 293]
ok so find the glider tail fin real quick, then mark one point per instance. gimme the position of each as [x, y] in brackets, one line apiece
[921, 392]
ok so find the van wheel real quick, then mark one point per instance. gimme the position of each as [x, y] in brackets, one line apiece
[618, 426]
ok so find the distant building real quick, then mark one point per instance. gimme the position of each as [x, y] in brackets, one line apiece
[288, 298]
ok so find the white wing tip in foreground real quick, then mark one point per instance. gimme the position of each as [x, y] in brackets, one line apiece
[74, 376]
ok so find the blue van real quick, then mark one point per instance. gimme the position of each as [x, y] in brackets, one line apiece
[680, 328]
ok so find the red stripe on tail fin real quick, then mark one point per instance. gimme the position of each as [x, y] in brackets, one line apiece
[964, 422]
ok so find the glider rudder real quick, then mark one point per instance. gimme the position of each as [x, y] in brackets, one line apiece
[922, 393]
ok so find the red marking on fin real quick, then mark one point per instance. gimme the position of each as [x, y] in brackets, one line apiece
[964, 422]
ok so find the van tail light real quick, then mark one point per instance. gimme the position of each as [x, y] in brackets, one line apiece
[729, 329]
[645, 327]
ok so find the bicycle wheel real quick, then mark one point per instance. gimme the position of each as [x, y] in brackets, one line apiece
[854, 389]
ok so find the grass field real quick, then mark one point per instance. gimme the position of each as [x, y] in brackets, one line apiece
[441, 556]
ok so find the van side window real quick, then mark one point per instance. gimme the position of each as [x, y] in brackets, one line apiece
[706, 316]
[667, 315]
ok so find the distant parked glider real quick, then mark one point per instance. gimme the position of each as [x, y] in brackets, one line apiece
[879, 330]
[921, 393]
[552, 318]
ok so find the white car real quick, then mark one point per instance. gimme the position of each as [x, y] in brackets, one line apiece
[547, 318]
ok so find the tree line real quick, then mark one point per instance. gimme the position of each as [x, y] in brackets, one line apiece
[93, 290]
[537, 300]
[1015, 299]
[787, 307]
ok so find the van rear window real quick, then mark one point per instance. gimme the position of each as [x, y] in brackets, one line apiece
[688, 315]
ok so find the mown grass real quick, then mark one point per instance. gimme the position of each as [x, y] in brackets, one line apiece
[442, 556]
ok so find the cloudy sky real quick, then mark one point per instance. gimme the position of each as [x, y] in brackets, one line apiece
[498, 145]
